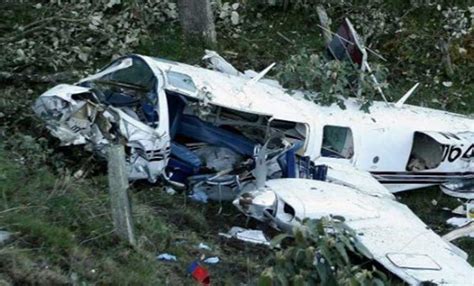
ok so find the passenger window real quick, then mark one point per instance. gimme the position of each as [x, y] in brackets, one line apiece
[181, 81]
[426, 153]
[337, 142]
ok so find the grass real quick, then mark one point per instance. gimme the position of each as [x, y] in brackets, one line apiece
[63, 231]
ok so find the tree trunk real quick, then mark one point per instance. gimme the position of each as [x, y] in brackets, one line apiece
[197, 20]
[448, 65]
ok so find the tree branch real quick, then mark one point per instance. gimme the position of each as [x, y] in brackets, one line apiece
[14, 78]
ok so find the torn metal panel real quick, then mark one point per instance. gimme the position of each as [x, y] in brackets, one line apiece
[218, 63]
[247, 235]
[66, 118]
[75, 115]
[395, 237]
[459, 189]
[466, 230]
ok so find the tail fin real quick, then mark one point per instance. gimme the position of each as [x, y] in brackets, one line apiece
[346, 44]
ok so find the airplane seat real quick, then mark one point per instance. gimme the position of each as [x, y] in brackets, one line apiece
[287, 160]
[118, 99]
[197, 129]
[294, 166]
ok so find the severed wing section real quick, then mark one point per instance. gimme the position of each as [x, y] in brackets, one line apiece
[393, 234]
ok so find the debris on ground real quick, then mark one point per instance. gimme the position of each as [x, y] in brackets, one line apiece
[212, 260]
[199, 273]
[458, 221]
[460, 210]
[166, 257]
[199, 196]
[5, 237]
[204, 246]
[247, 235]
[465, 228]
[170, 191]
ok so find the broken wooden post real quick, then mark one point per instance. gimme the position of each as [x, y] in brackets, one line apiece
[118, 189]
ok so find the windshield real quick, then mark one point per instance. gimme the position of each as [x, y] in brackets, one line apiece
[131, 72]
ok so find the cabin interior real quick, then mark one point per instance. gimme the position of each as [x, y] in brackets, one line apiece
[212, 147]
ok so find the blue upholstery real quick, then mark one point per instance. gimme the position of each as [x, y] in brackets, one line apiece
[150, 113]
[176, 104]
[184, 154]
[180, 170]
[119, 99]
[287, 161]
[195, 128]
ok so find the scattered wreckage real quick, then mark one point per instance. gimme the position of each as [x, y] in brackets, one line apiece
[227, 135]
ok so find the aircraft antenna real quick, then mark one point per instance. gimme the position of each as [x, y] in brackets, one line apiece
[407, 95]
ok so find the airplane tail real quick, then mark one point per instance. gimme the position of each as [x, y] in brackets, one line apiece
[346, 45]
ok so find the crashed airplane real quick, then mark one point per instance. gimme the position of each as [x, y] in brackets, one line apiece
[226, 135]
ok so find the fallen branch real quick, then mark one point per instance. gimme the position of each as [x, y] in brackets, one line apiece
[14, 78]
[285, 38]
[38, 25]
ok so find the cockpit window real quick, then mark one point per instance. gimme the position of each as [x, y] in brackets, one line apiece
[337, 142]
[133, 74]
[130, 84]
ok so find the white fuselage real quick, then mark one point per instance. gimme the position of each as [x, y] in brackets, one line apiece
[379, 142]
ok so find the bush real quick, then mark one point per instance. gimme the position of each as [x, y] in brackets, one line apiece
[330, 81]
[320, 253]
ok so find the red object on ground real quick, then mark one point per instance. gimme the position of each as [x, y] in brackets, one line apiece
[199, 273]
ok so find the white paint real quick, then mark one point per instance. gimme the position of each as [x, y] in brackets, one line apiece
[388, 229]
[386, 132]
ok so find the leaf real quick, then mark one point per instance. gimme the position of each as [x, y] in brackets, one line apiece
[362, 249]
[299, 280]
[83, 56]
[234, 18]
[342, 251]
[20, 53]
[281, 278]
[276, 241]
[266, 277]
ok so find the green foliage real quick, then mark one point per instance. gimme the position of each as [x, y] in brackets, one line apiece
[33, 152]
[79, 33]
[320, 254]
[409, 35]
[329, 81]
